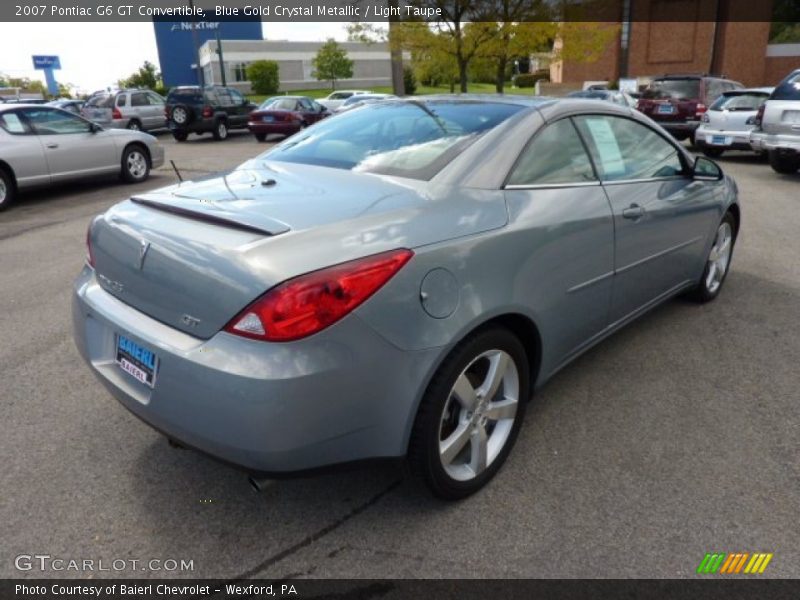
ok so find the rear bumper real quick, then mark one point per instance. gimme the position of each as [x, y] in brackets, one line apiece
[196, 126]
[277, 128]
[680, 127]
[766, 142]
[733, 140]
[342, 395]
[156, 155]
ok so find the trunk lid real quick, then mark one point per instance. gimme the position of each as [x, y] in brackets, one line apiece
[193, 255]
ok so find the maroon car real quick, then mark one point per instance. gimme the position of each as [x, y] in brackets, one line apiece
[285, 115]
[678, 102]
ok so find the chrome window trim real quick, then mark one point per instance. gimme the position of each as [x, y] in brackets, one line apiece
[540, 186]
[643, 180]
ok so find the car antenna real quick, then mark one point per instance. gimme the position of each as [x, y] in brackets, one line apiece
[175, 168]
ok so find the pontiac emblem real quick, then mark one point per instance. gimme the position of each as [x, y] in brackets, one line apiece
[143, 248]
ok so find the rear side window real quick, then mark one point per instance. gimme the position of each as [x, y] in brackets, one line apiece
[11, 122]
[555, 156]
[626, 150]
[138, 99]
[788, 89]
[122, 100]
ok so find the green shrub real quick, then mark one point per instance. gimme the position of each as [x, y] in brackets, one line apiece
[263, 77]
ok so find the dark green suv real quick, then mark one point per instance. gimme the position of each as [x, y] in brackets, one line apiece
[213, 109]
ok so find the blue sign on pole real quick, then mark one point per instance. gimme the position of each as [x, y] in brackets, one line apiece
[46, 62]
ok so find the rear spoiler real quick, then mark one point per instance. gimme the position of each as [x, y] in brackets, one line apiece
[265, 226]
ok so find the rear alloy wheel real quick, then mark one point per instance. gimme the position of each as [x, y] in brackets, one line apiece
[783, 163]
[134, 126]
[220, 130]
[470, 416]
[718, 262]
[6, 190]
[180, 136]
[135, 166]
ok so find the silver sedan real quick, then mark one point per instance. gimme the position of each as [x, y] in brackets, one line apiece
[397, 280]
[43, 145]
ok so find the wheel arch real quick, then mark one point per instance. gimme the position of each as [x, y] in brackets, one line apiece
[737, 216]
[6, 168]
[521, 325]
[142, 146]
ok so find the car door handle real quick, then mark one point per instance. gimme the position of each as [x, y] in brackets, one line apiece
[634, 211]
[52, 145]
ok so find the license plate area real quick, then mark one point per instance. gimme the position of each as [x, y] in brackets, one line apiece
[720, 140]
[665, 109]
[268, 118]
[137, 361]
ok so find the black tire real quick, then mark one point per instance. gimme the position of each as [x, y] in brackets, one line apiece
[8, 190]
[704, 292]
[713, 152]
[135, 164]
[220, 131]
[437, 410]
[261, 137]
[134, 125]
[180, 136]
[182, 114]
[783, 163]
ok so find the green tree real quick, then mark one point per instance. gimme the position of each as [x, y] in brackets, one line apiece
[263, 77]
[146, 77]
[331, 63]
[64, 90]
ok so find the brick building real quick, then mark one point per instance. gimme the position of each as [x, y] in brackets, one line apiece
[730, 37]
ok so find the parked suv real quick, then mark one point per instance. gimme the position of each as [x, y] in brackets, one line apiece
[778, 126]
[678, 102]
[212, 109]
[137, 109]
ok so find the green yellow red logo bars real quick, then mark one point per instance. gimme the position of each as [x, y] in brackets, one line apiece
[733, 563]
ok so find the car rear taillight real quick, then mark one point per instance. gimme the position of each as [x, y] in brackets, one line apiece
[759, 118]
[309, 303]
[115, 114]
[89, 252]
[207, 112]
[700, 110]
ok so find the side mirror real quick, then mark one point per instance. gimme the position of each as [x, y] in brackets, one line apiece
[94, 128]
[706, 169]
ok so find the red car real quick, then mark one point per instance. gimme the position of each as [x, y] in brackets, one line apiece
[285, 115]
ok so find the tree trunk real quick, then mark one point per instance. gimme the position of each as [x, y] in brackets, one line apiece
[462, 74]
[500, 80]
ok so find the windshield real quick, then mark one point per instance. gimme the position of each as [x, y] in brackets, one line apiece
[750, 101]
[407, 139]
[677, 89]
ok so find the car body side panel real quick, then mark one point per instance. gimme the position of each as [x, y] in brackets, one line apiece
[24, 153]
[553, 263]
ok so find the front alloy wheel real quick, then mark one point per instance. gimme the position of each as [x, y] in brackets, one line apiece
[718, 262]
[471, 414]
[135, 167]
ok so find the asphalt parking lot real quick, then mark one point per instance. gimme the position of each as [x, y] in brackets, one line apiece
[676, 437]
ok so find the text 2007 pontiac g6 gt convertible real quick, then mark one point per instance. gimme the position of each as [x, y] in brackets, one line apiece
[395, 281]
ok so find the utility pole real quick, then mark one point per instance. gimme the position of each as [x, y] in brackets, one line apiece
[221, 60]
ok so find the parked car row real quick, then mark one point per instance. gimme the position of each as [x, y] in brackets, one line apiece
[719, 114]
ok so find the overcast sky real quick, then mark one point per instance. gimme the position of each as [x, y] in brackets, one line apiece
[95, 55]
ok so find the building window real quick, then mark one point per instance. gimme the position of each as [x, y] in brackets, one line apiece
[240, 72]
